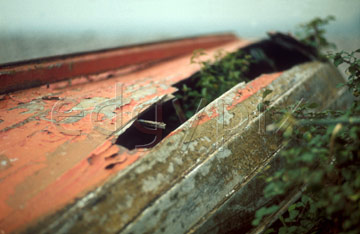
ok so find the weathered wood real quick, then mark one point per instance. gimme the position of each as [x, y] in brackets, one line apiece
[205, 173]
[61, 171]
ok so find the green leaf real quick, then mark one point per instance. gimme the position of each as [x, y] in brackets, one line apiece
[338, 60]
[283, 230]
[292, 207]
[270, 230]
[266, 92]
[185, 88]
[281, 218]
[305, 199]
[256, 221]
[292, 229]
[203, 91]
[266, 210]
[293, 214]
[340, 85]
[263, 211]
[353, 69]
[313, 105]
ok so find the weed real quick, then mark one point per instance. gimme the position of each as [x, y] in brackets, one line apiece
[214, 78]
[322, 154]
[312, 33]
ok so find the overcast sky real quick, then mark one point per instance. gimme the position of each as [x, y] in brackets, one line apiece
[169, 16]
[146, 20]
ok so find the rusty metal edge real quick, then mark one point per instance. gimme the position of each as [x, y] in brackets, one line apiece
[32, 73]
[75, 54]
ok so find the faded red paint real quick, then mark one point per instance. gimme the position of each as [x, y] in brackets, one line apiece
[38, 72]
[49, 169]
[242, 94]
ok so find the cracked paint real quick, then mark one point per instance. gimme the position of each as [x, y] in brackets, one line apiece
[62, 156]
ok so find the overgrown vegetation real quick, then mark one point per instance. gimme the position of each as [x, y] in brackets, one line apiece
[321, 148]
[313, 32]
[214, 78]
[322, 154]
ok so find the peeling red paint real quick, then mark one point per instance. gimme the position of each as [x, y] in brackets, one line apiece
[52, 164]
[242, 94]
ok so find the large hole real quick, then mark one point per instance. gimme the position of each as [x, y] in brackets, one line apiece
[152, 126]
[278, 53]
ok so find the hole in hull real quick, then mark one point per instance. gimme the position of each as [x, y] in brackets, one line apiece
[151, 126]
[279, 53]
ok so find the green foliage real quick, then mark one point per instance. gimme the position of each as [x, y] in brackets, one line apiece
[263, 211]
[352, 61]
[263, 105]
[322, 155]
[214, 78]
[313, 33]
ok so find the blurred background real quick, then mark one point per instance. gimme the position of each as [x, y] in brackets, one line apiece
[39, 28]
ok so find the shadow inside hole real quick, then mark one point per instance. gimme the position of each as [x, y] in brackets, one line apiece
[138, 135]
